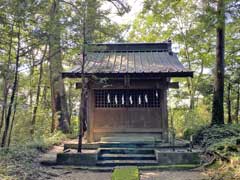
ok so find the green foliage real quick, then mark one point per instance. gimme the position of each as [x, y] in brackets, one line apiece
[211, 136]
[127, 173]
[186, 121]
[74, 127]
[222, 140]
[44, 143]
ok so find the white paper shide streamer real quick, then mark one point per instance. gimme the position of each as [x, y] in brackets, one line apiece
[130, 99]
[108, 98]
[123, 99]
[115, 99]
[139, 100]
[146, 98]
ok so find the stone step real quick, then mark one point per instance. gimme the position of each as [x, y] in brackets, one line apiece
[126, 151]
[127, 144]
[128, 139]
[127, 157]
[110, 163]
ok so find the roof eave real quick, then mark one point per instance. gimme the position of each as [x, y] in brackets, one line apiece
[119, 75]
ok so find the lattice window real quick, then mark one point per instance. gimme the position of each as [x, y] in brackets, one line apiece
[120, 98]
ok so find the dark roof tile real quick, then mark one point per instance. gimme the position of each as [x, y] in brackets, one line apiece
[131, 58]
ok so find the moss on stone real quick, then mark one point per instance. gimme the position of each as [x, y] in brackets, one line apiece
[126, 173]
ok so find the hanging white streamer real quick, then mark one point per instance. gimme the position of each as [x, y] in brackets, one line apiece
[146, 98]
[156, 94]
[108, 98]
[139, 100]
[130, 99]
[122, 99]
[116, 100]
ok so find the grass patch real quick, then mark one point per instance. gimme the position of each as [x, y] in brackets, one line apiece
[126, 173]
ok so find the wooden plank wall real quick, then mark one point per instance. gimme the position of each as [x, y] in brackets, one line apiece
[110, 121]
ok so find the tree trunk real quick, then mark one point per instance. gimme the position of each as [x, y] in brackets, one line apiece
[59, 104]
[5, 80]
[70, 100]
[237, 104]
[83, 103]
[44, 100]
[218, 93]
[229, 103]
[33, 121]
[14, 88]
[31, 84]
[13, 120]
[83, 110]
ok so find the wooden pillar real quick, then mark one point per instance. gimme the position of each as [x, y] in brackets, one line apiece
[165, 116]
[90, 119]
[165, 111]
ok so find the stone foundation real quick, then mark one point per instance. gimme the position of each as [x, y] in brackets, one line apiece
[177, 157]
[80, 159]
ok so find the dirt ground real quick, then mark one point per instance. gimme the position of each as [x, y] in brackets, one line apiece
[145, 175]
[172, 175]
[74, 174]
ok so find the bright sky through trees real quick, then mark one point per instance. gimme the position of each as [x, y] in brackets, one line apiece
[136, 6]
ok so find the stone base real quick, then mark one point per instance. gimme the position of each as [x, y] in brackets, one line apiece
[175, 157]
[123, 151]
[80, 159]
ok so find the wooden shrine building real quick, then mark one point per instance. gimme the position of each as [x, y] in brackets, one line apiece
[127, 88]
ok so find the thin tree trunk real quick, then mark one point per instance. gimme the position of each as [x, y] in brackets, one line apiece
[237, 104]
[82, 110]
[218, 93]
[5, 84]
[30, 85]
[44, 96]
[13, 120]
[70, 100]
[59, 102]
[229, 103]
[7, 119]
[33, 121]
[4, 106]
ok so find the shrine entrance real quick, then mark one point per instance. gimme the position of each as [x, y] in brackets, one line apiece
[131, 110]
[128, 110]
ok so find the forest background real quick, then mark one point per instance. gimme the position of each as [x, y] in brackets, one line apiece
[41, 38]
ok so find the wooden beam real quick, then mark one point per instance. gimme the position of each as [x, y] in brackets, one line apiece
[78, 85]
[131, 75]
[174, 85]
[128, 130]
